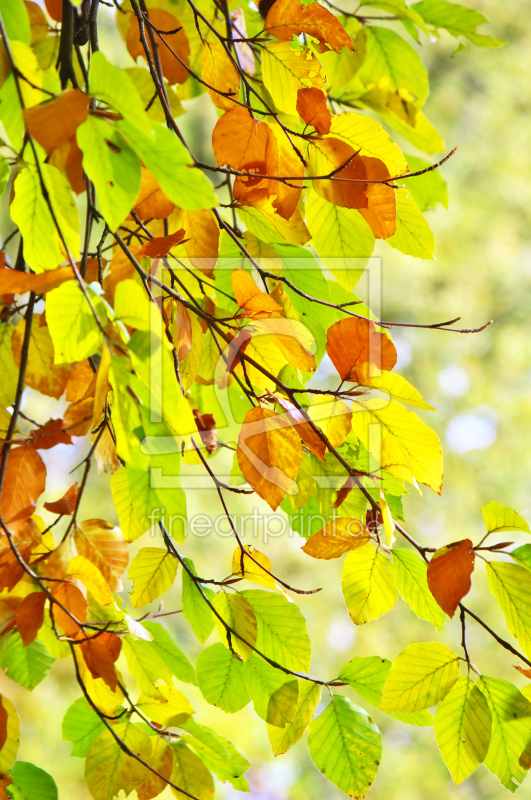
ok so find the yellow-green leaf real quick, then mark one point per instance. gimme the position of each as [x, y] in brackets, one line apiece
[368, 586]
[500, 518]
[283, 738]
[413, 236]
[153, 572]
[511, 586]
[420, 676]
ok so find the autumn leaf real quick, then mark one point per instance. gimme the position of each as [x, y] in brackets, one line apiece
[310, 438]
[79, 382]
[100, 652]
[311, 106]
[50, 434]
[449, 574]
[291, 17]
[202, 239]
[55, 122]
[352, 342]
[220, 73]
[30, 616]
[269, 454]
[14, 282]
[151, 202]
[72, 600]
[173, 69]
[252, 569]
[250, 297]
[42, 373]
[337, 538]
[104, 545]
[24, 482]
[206, 425]
[160, 246]
[66, 504]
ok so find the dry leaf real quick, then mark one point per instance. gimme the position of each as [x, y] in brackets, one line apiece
[66, 504]
[290, 17]
[449, 574]
[30, 616]
[160, 246]
[173, 71]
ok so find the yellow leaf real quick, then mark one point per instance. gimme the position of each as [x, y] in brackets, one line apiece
[251, 570]
[368, 136]
[286, 70]
[9, 750]
[153, 572]
[238, 613]
[108, 769]
[219, 71]
[333, 416]
[172, 711]
[337, 538]
[413, 235]
[88, 573]
[368, 586]
[396, 387]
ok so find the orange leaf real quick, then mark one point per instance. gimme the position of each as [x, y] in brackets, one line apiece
[352, 342]
[449, 574]
[38, 21]
[101, 653]
[151, 202]
[78, 417]
[54, 9]
[68, 158]
[311, 106]
[202, 239]
[269, 454]
[303, 428]
[79, 381]
[381, 210]
[240, 141]
[249, 296]
[24, 482]
[206, 425]
[290, 17]
[73, 600]
[42, 374]
[66, 504]
[172, 69]
[49, 434]
[160, 246]
[55, 122]
[526, 672]
[105, 546]
[16, 282]
[184, 331]
[337, 538]
[30, 616]
[219, 71]
[344, 491]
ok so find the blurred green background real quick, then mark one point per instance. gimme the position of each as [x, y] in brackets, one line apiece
[479, 100]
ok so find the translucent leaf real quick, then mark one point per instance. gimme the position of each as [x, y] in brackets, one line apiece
[456, 19]
[511, 586]
[308, 698]
[428, 189]
[190, 774]
[34, 782]
[31, 214]
[195, 609]
[108, 769]
[29, 665]
[114, 86]
[153, 572]
[286, 70]
[238, 614]
[73, 328]
[463, 728]
[81, 725]
[500, 518]
[173, 656]
[220, 678]
[368, 586]
[346, 746]
[413, 236]
[9, 750]
[217, 753]
[282, 633]
[409, 572]
[420, 676]
[273, 692]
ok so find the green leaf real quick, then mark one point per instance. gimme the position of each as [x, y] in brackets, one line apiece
[462, 727]
[190, 774]
[5, 172]
[367, 676]
[392, 62]
[346, 746]
[237, 613]
[420, 676]
[8, 384]
[114, 86]
[511, 586]
[112, 166]
[153, 572]
[132, 306]
[171, 164]
[400, 9]
[429, 189]
[108, 769]
[29, 665]
[303, 270]
[522, 556]
[9, 750]
[507, 757]
[173, 656]
[282, 633]
[500, 518]
[339, 235]
[413, 236]
[273, 692]
[74, 331]
[456, 19]
[31, 214]
[308, 699]
[64, 209]
[409, 572]
[217, 753]
[121, 495]
[195, 609]
[146, 665]
[368, 586]
[16, 20]
[33, 782]
[81, 725]
[220, 678]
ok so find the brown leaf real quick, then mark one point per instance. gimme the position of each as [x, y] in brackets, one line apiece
[219, 71]
[173, 71]
[55, 122]
[151, 202]
[66, 504]
[303, 428]
[249, 297]
[42, 374]
[206, 425]
[449, 574]
[311, 106]
[30, 616]
[78, 417]
[14, 282]
[352, 342]
[344, 491]
[290, 17]
[104, 545]
[101, 653]
[73, 601]
[50, 434]
[54, 9]
[162, 761]
[160, 246]
[68, 158]
[202, 239]
[337, 538]
[3, 729]
[240, 141]
[183, 328]
[269, 454]
[79, 381]
[525, 672]
[25, 481]
[105, 453]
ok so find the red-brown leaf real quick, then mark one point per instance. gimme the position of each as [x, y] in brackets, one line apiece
[160, 246]
[100, 654]
[50, 434]
[24, 482]
[66, 504]
[73, 600]
[30, 616]
[311, 106]
[449, 574]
